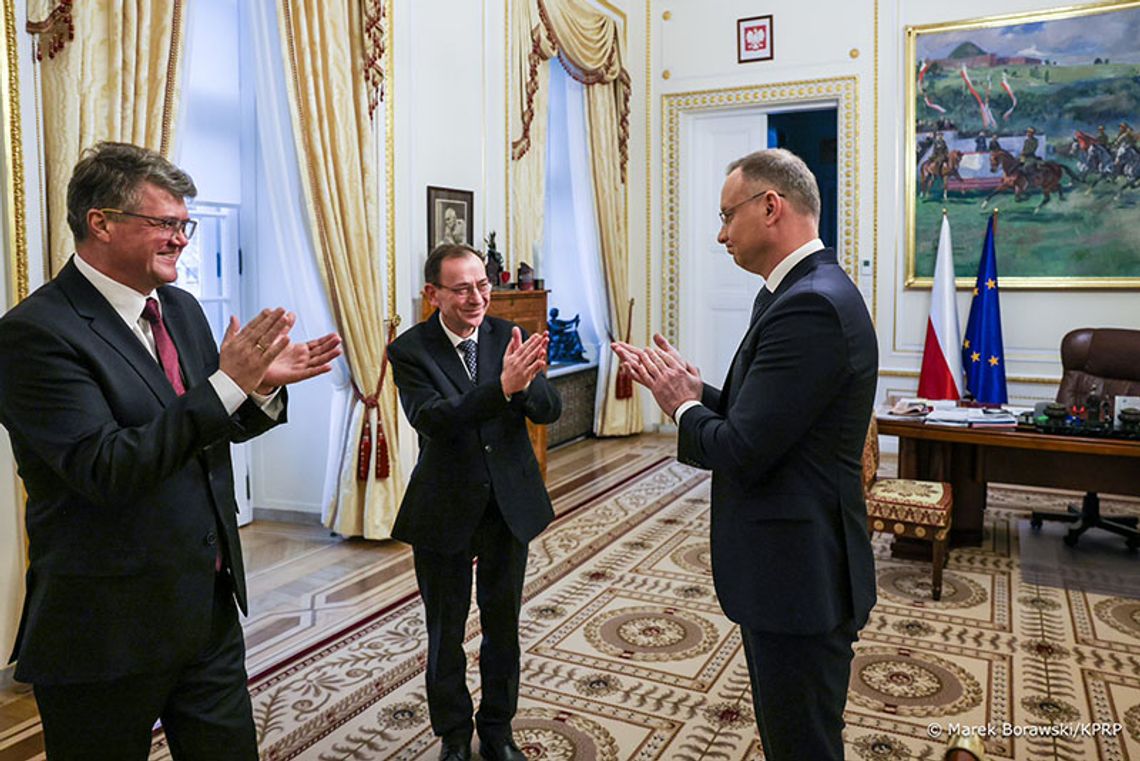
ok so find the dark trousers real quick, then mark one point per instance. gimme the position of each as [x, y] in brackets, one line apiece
[204, 704]
[799, 688]
[445, 586]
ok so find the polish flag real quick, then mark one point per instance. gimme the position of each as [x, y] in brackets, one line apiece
[941, 375]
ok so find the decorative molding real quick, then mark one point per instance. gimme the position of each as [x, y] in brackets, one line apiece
[12, 150]
[875, 179]
[648, 169]
[844, 91]
[389, 96]
[887, 373]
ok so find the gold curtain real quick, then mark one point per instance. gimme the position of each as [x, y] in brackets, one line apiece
[589, 45]
[117, 79]
[333, 75]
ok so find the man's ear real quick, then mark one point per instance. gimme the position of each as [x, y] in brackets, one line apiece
[431, 293]
[97, 225]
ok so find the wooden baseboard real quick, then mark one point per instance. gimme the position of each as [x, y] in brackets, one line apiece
[303, 517]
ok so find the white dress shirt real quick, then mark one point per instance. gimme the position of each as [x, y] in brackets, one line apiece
[772, 282]
[128, 304]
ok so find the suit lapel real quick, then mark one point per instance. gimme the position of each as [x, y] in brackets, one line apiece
[445, 354]
[178, 325]
[490, 350]
[110, 328]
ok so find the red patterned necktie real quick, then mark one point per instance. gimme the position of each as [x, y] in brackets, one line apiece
[167, 353]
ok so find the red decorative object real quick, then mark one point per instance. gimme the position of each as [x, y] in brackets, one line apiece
[364, 449]
[623, 386]
[54, 32]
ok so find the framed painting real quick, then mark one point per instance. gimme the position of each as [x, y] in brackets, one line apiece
[1037, 115]
[450, 216]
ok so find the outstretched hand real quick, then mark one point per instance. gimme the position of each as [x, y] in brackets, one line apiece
[662, 370]
[300, 361]
[523, 360]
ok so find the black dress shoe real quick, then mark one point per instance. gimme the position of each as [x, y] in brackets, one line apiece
[455, 752]
[501, 751]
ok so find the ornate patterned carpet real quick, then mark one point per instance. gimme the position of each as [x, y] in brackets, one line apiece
[626, 654]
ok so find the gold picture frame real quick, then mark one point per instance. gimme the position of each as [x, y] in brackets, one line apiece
[990, 80]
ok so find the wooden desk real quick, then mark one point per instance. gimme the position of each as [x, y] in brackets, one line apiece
[969, 458]
[527, 309]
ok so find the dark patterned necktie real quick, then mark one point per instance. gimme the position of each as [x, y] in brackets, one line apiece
[164, 346]
[470, 349]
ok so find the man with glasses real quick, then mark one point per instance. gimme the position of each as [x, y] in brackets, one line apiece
[121, 412]
[784, 438]
[468, 383]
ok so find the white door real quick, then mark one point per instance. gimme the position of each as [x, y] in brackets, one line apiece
[210, 268]
[715, 295]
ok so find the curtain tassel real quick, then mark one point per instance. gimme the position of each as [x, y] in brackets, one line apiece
[364, 449]
[623, 387]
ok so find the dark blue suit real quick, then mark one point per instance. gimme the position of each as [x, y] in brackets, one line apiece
[130, 498]
[791, 556]
[476, 492]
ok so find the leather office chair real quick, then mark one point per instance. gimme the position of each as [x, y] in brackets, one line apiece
[1102, 362]
[904, 507]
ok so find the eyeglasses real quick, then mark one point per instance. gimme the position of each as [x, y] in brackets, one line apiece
[168, 225]
[727, 214]
[465, 290]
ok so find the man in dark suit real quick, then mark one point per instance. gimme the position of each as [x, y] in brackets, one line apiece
[784, 437]
[121, 411]
[468, 383]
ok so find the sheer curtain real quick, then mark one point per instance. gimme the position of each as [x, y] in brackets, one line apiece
[570, 242]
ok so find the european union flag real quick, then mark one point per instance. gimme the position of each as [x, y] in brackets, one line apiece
[982, 357]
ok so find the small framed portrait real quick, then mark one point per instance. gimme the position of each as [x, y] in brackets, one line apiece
[754, 39]
[450, 216]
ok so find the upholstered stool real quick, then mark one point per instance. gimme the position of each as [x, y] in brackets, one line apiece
[904, 507]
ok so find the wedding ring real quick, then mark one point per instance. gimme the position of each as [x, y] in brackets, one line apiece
[260, 346]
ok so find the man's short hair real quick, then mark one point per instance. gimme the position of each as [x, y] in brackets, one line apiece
[434, 263]
[784, 172]
[110, 175]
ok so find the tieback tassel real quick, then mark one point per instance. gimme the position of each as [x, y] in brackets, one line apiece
[623, 387]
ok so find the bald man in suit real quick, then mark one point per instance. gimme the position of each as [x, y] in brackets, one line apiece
[783, 437]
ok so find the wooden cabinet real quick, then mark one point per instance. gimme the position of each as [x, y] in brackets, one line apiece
[528, 310]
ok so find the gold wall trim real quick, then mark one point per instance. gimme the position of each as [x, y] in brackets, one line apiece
[648, 171]
[390, 151]
[844, 91]
[15, 207]
[170, 91]
[875, 180]
[884, 373]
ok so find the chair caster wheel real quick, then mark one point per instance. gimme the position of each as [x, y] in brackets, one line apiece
[1035, 523]
[1071, 539]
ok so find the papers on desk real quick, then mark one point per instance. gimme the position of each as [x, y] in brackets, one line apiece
[973, 417]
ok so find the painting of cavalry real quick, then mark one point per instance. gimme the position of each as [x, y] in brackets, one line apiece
[1037, 115]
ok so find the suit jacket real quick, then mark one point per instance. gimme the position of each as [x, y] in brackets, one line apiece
[784, 440]
[473, 442]
[127, 483]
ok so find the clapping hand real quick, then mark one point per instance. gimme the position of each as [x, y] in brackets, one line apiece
[523, 360]
[300, 361]
[662, 370]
